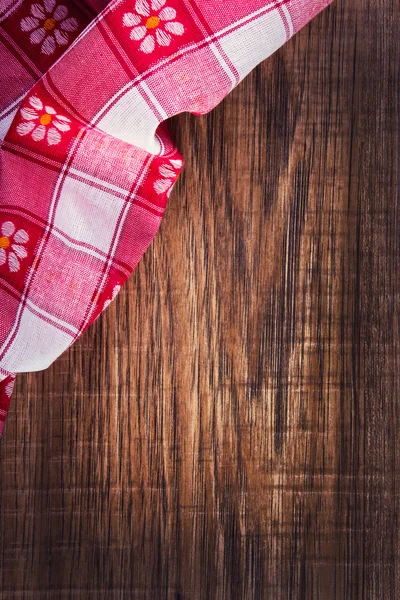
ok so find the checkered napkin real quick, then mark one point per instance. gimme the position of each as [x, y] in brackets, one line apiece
[87, 164]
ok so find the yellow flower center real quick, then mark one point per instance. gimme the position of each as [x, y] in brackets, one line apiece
[4, 242]
[45, 119]
[152, 22]
[49, 24]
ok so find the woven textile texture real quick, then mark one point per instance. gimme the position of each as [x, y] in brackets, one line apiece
[87, 162]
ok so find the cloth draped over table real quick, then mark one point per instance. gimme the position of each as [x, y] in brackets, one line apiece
[87, 164]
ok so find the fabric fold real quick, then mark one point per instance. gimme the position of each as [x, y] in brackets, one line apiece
[87, 162]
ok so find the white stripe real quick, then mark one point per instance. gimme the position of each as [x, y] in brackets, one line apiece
[22, 150]
[223, 64]
[289, 19]
[10, 9]
[17, 48]
[35, 309]
[11, 106]
[7, 116]
[96, 181]
[109, 186]
[212, 46]
[264, 35]
[5, 123]
[153, 99]
[77, 246]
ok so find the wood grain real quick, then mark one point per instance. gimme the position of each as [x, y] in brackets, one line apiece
[228, 429]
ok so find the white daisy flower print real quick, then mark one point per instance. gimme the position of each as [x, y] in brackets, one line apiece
[114, 294]
[168, 174]
[49, 25]
[12, 249]
[9, 388]
[42, 122]
[152, 23]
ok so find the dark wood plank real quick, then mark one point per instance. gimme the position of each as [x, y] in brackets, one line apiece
[228, 429]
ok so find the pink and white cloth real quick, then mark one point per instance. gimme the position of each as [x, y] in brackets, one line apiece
[87, 164]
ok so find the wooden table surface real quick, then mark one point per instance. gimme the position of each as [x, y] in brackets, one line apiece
[229, 428]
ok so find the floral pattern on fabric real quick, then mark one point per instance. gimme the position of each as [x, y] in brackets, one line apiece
[49, 25]
[168, 173]
[152, 23]
[113, 296]
[9, 388]
[12, 249]
[42, 122]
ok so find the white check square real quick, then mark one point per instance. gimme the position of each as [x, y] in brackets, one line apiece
[28, 352]
[132, 119]
[253, 41]
[88, 214]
